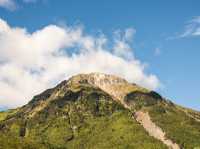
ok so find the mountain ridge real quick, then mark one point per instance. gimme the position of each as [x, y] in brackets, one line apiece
[81, 102]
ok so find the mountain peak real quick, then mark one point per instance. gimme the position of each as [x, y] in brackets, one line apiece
[98, 79]
[116, 86]
[103, 107]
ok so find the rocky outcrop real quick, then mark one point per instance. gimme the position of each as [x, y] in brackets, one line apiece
[113, 85]
[144, 119]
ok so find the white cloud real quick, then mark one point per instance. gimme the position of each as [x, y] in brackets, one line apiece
[192, 28]
[33, 62]
[8, 4]
[123, 41]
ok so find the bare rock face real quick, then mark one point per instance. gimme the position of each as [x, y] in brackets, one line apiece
[144, 119]
[98, 79]
[113, 85]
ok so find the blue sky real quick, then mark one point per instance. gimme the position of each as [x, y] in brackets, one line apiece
[166, 34]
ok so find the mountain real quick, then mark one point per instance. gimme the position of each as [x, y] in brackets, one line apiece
[99, 111]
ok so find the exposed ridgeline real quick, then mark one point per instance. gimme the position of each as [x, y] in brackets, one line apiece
[113, 85]
[119, 88]
[99, 111]
[110, 84]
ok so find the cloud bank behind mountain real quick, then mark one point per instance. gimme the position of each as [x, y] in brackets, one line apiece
[33, 62]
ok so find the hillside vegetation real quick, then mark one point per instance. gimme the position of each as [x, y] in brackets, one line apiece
[87, 118]
[97, 112]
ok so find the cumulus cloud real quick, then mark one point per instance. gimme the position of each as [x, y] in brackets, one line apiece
[33, 62]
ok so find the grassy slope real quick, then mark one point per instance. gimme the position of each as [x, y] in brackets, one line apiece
[5, 114]
[181, 128]
[174, 120]
[88, 118]
[93, 121]
[117, 131]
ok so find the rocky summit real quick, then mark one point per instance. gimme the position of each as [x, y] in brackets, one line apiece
[99, 111]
